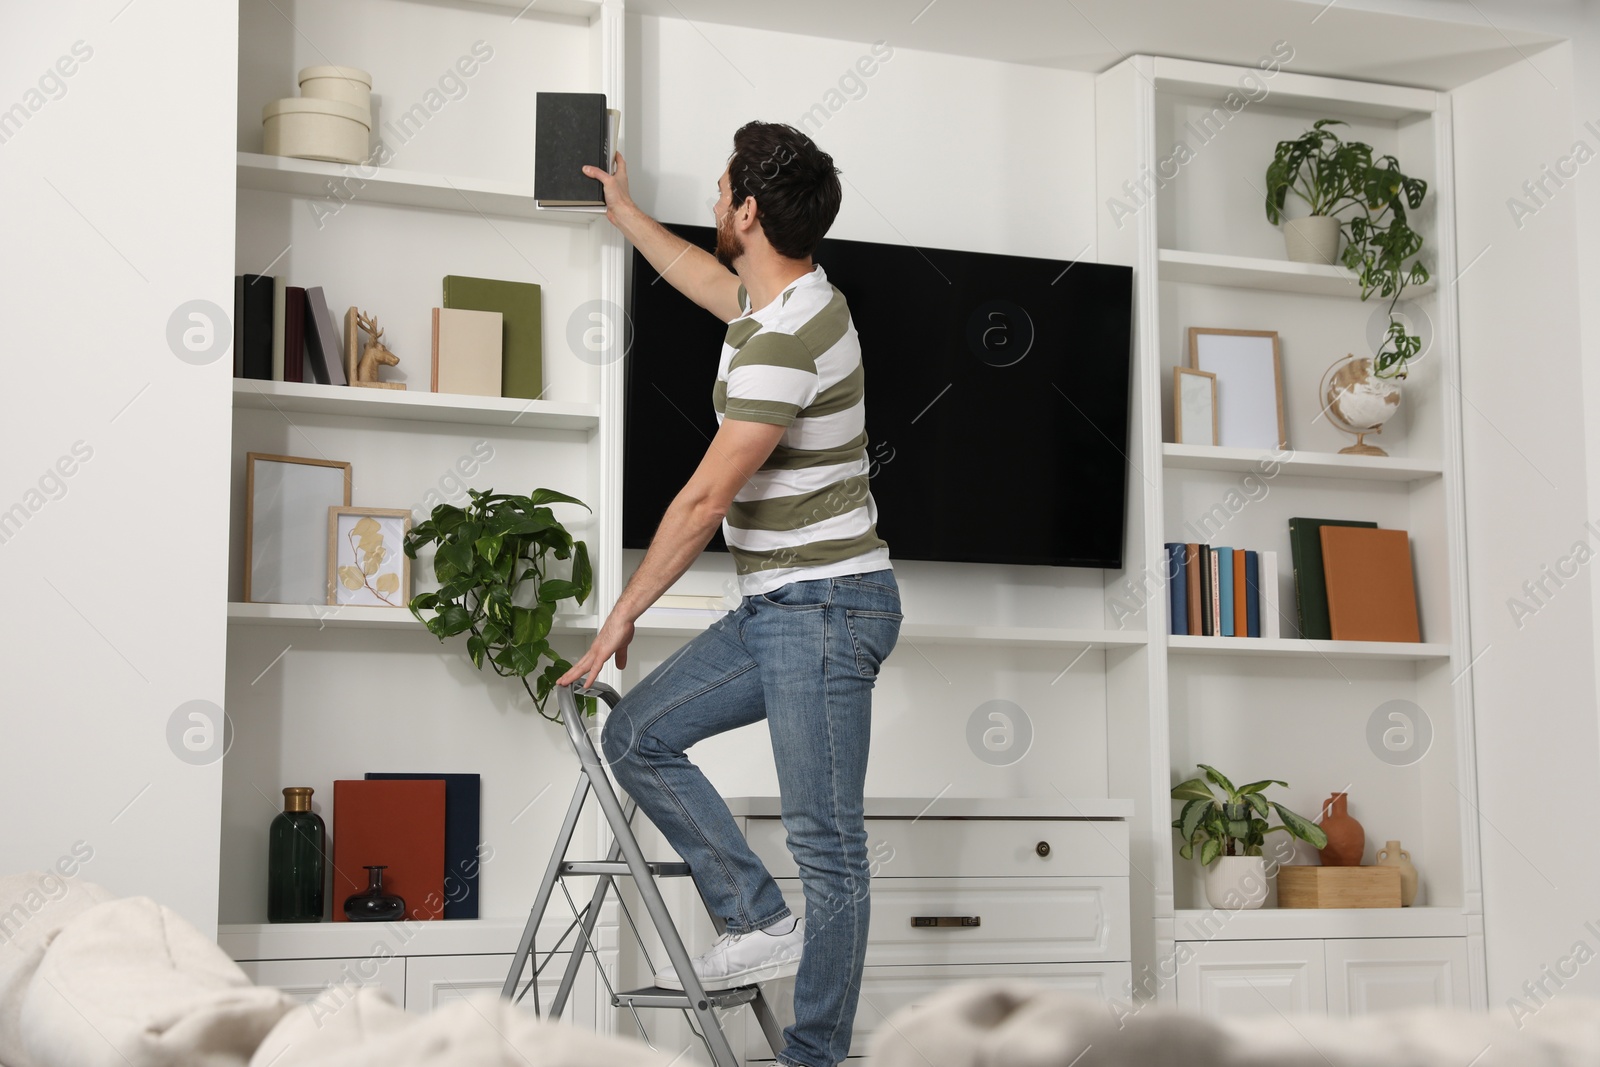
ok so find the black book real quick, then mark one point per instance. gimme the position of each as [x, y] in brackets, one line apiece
[258, 293]
[1207, 578]
[571, 133]
[238, 325]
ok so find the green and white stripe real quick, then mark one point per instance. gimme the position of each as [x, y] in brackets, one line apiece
[808, 512]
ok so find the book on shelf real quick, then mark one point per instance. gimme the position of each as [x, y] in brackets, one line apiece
[280, 308]
[238, 325]
[522, 327]
[1214, 603]
[255, 311]
[1372, 593]
[1191, 568]
[1204, 559]
[462, 818]
[1250, 582]
[294, 336]
[1224, 591]
[399, 825]
[324, 343]
[1177, 589]
[1271, 612]
[466, 351]
[1310, 588]
[572, 130]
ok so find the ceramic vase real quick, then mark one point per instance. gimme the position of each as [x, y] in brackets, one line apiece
[1347, 841]
[374, 903]
[1313, 239]
[1236, 883]
[1392, 855]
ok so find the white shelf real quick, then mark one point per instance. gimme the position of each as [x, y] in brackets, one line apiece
[660, 624]
[415, 405]
[1184, 644]
[1281, 275]
[361, 617]
[1293, 924]
[1216, 81]
[1298, 464]
[331, 940]
[355, 183]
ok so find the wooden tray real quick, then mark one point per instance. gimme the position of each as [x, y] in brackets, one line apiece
[1338, 887]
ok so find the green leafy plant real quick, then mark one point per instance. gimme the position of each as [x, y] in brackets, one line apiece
[1235, 824]
[1332, 175]
[492, 567]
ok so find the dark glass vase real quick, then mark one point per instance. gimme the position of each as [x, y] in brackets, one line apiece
[373, 904]
[296, 846]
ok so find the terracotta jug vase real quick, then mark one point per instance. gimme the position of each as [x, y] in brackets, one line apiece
[1392, 855]
[1347, 841]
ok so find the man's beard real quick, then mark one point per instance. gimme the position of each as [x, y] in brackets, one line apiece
[730, 246]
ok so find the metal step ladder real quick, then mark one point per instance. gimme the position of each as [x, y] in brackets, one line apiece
[625, 860]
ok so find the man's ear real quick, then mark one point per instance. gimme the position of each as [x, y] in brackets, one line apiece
[745, 217]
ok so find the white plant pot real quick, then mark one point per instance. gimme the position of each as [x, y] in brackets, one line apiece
[1313, 239]
[1236, 883]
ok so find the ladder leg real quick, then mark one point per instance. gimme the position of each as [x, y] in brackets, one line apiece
[583, 945]
[569, 825]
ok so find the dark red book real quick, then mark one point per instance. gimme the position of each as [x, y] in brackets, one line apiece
[399, 824]
[294, 334]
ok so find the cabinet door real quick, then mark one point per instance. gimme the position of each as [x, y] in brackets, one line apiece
[1241, 978]
[304, 980]
[885, 990]
[435, 980]
[1389, 973]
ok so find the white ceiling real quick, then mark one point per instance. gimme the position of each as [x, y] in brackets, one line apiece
[1093, 35]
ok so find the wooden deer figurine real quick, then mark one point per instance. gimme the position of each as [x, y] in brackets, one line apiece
[373, 356]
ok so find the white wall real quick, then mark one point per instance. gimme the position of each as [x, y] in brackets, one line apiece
[118, 188]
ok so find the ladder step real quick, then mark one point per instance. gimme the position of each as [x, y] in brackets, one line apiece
[658, 997]
[661, 869]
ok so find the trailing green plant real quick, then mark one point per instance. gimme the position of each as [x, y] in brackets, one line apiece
[492, 565]
[1236, 824]
[1333, 175]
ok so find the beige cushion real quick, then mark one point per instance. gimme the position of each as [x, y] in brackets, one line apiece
[34, 906]
[130, 983]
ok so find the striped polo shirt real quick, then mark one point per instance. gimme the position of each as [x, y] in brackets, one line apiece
[808, 512]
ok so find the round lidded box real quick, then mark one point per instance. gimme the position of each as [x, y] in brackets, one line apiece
[348, 85]
[308, 128]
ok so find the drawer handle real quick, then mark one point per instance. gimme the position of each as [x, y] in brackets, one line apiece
[1042, 848]
[924, 922]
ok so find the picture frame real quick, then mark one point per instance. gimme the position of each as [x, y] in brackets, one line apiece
[1249, 376]
[1194, 406]
[367, 564]
[285, 525]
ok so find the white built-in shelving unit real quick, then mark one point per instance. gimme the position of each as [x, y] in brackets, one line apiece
[1204, 255]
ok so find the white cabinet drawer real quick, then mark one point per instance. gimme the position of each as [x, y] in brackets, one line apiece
[432, 981]
[1376, 974]
[1031, 920]
[885, 990]
[961, 848]
[304, 980]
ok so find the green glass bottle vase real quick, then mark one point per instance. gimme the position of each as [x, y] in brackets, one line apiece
[296, 863]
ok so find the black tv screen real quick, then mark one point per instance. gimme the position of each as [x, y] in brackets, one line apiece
[997, 394]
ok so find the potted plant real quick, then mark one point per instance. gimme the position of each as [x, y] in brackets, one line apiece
[1332, 175]
[1230, 831]
[492, 565]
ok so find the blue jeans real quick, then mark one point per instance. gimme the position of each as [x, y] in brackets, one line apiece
[803, 657]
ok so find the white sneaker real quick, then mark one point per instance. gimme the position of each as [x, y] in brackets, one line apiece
[745, 959]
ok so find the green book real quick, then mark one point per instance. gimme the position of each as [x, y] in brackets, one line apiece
[1310, 584]
[522, 347]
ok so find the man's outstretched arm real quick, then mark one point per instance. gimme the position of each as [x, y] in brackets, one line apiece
[736, 452]
[693, 271]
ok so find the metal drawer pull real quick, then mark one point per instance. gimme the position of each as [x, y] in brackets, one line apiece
[1042, 848]
[929, 921]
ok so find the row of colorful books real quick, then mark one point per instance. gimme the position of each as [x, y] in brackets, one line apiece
[1221, 591]
[1352, 582]
[487, 337]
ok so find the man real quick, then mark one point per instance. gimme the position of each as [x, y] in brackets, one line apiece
[786, 477]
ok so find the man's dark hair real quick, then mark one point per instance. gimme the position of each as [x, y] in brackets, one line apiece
[794, 182]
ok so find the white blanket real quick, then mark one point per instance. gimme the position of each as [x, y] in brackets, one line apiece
[1016, 1024]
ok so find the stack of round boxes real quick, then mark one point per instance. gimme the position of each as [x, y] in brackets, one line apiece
[330, 120]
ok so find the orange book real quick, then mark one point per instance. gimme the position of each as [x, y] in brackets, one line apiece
[1372, 595]
[399, 824]
[1241, 596]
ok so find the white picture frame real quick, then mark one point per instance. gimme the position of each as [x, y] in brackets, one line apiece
[1194, 406]
[367, 563]
[286, 526]
[1249, 379]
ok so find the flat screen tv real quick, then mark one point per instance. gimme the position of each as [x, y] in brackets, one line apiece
[997, 393]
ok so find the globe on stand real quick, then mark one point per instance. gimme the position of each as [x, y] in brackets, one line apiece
[1358, 402]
